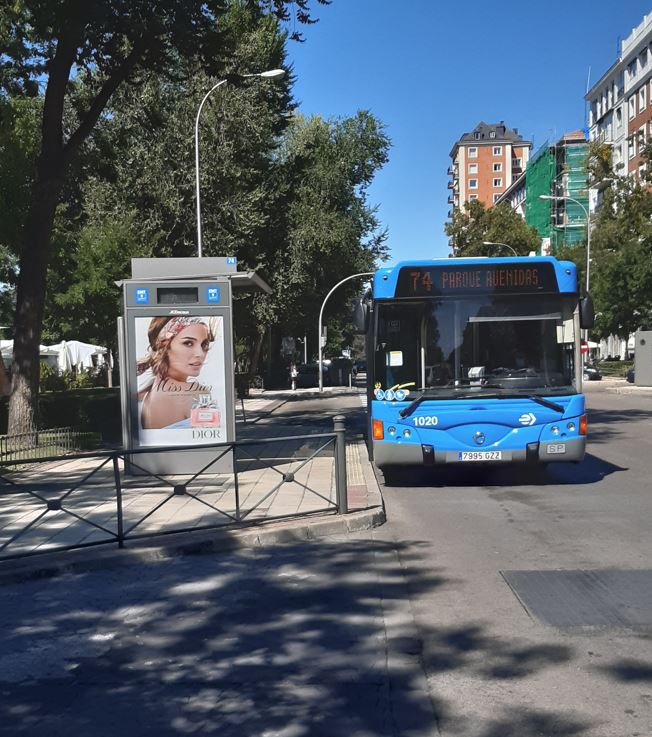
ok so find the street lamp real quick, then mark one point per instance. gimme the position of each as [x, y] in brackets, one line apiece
[271, 74]
[506, 245]
[321, 312]
[561, 198]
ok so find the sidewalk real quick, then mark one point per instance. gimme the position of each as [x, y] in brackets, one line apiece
[289, 479]
[617, 385]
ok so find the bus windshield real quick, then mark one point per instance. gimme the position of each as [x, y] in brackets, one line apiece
[489, 342]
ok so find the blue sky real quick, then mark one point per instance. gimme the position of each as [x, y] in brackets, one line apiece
[431, 70]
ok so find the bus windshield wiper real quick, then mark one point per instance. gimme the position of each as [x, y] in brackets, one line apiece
[407, 411]
[547, 403]
[535, 398]
[430, 394]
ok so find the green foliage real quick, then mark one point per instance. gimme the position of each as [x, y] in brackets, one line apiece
[51, 379]
[475, 224]
[323, 218]
[599, 162]
[621, 257]
[82, 53]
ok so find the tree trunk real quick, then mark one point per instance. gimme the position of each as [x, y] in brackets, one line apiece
[254, 358]
[5, 381]
[30, 300]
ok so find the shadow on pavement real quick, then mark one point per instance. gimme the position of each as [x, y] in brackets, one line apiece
[630, 671]
[606, 425]
[590, 471]
[289, 640]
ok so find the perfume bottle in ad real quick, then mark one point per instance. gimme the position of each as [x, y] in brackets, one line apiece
[204, 412]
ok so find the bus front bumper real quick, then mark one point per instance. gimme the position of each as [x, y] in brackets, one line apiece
[571, 450]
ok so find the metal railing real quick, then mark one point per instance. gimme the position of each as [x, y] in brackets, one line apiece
[85, 499]
[43, 443]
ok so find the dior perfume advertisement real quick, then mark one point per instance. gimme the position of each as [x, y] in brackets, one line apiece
[181, 380]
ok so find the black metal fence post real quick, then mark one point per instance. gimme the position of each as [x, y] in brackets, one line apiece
[340, 464]
[118, 497]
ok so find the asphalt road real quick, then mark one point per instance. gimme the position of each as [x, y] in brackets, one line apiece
[407, 631]
[573, 656]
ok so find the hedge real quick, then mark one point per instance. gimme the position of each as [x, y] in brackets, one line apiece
[89, 410]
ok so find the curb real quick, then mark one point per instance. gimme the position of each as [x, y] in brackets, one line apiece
[84, 560]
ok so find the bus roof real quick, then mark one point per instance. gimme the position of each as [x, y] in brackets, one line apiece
[386, 279]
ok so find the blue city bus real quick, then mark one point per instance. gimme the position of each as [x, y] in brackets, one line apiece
[475, 360]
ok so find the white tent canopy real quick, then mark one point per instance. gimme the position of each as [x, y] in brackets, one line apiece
[75, 354]
[7, 349]
[66, 355]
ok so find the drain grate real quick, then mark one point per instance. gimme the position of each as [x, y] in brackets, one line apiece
[607, 598]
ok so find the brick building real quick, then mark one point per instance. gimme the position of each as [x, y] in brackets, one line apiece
[485, 163]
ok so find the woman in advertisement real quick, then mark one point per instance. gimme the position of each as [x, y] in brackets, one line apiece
[170, 395]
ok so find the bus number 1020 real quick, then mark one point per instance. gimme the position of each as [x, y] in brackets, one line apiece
[425, 421]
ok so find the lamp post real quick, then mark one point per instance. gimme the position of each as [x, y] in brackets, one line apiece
[560, 198]
[506, 245]
[271, 74]
[321, 312]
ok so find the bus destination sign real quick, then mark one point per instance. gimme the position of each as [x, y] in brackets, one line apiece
[469, 279]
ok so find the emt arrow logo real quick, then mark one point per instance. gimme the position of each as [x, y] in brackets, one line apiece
[527, 419]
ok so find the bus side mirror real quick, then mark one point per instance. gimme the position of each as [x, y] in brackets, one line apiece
[360, 317]
[587, 313]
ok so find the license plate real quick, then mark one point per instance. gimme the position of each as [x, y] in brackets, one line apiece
[557, 448]
[480, 455]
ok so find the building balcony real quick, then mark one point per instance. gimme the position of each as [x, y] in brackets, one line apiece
[451, 184]
[451, 199]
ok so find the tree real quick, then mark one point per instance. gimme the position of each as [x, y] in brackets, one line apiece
[103, 44]
[621, 255]
[474, 224]
[137, 190]
[324, 228]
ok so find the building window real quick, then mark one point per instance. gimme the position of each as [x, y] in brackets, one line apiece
[641, 98]
[492, 134]
[641, 139]
[632, 107]
[618, 155]
[631, 151]
[517, 163]
[496, 197]
[498, 150]
[498, 167]
[473, 152]
[473, 197]
[619, 116]
[498, 182]
[473, 168]
[476, 136]
[473, 183]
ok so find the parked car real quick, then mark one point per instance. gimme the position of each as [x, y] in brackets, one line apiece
[308, 375]
[591, 373]
[630, 375]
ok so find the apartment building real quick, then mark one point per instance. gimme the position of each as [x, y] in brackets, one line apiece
[620, 109]
[485, 163]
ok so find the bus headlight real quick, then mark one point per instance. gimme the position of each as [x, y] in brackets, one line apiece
[391, 430]
[571, 426]
[554, 430]
[407, 432]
